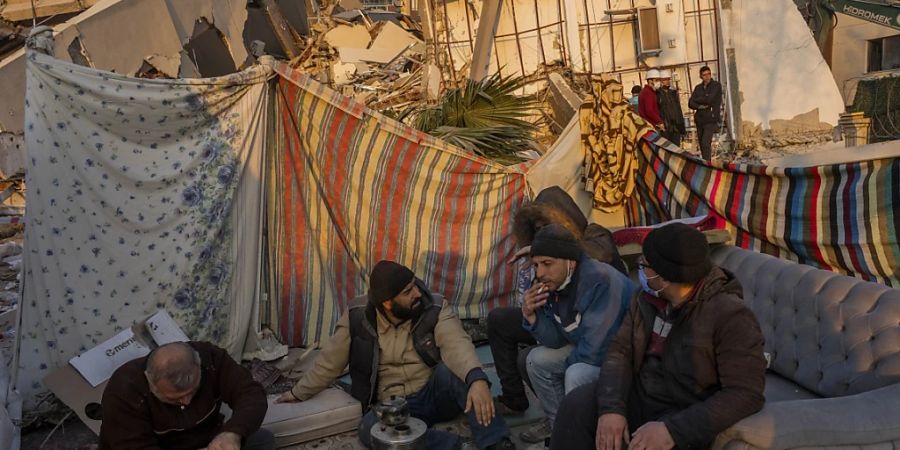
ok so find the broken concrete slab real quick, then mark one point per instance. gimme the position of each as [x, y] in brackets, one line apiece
[166, 64]
[342, 73]
[16, 10]
[350, 36]
[12, 154]
[394, 39]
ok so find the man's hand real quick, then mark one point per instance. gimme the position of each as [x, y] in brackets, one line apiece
[652, 436]
[480, 400]
[523, 252]
[612, 429]
[535, 297]
[225, 441]
[286, 397]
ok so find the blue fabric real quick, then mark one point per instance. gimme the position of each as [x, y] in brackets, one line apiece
[602, 296]
[443, 398]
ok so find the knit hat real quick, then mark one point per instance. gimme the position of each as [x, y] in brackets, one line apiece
[677, 252]
[555, 241]
[387, 280]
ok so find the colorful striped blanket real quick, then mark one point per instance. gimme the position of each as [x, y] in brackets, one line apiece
[351, 187]
[840, 217]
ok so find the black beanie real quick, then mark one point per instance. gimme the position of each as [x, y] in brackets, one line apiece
[387, 280]
[678, 253]
[555, 241]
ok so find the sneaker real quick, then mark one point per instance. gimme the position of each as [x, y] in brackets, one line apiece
[505, 410]
[505, 444]
[537, 433]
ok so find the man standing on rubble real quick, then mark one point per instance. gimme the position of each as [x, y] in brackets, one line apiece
[648, 105]
[686, 364]
[670, 108]
[510, 342]
[402, 340]
[170, 399]
[706, 100]
[573, 310]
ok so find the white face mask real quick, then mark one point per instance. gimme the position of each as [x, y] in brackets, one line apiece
[656, 84]
[568, 278]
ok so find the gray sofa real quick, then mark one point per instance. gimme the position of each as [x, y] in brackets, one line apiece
[834, 347]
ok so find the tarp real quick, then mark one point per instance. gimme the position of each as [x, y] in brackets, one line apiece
[132, 185]
[840, 217]
[351, 187]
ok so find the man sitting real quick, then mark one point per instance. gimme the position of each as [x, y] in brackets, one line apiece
[686, 364]
[573, 310]
[510, 343]
[170, 399]
[419, 351]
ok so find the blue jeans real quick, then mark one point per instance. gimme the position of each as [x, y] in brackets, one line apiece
[552, 378]
[443, 398]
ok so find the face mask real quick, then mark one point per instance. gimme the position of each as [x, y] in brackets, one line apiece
[645, 285]
[656, 84]
[568, 278]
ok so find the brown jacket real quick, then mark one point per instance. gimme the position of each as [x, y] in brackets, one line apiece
[398, 360]
[713, 365]
[133, 418]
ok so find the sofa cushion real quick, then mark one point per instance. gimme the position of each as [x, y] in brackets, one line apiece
[832, 334]
[780, 389]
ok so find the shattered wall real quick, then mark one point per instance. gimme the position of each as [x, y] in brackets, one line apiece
[125, 36]
[785, 90]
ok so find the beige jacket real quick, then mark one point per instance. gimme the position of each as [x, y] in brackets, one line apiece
[399, 362]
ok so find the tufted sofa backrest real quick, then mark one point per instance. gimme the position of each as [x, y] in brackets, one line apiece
[832, 334]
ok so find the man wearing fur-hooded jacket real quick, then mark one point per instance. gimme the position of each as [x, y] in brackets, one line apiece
[510, 343]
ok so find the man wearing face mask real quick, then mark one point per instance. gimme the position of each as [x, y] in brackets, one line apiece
[686, 364]
[573, 310]
[648, 104]
[400, 339]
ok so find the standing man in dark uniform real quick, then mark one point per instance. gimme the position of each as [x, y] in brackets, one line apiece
[706, 100]
[670, 108]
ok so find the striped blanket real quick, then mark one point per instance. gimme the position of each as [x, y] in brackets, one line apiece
[351, 187]
[840, 217]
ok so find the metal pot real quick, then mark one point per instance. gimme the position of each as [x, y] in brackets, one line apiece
[392, 411]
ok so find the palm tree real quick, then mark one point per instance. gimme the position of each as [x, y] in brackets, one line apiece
[484, 117]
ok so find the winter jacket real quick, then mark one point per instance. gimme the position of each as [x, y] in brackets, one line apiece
[397, 360]
[707, 101]
[712, 366]
[554, 205]
[133, 418]
[648, 106]
[601, 301]
[670, 110]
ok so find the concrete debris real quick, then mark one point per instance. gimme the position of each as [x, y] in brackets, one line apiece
[376, 57]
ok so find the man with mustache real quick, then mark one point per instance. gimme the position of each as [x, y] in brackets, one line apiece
[573, 310]
[401, 339]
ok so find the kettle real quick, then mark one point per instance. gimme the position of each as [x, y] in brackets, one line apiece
[392, 411]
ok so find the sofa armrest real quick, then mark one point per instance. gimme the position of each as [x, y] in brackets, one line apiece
[865, 418]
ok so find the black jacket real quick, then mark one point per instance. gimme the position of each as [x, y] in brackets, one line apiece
[670, 110]
[713, 363]
[133, 418]
[707, 101]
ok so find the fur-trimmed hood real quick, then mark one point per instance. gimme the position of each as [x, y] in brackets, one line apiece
[552, 205]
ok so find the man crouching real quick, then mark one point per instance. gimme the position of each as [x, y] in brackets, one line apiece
[402, 340]
[170, 400]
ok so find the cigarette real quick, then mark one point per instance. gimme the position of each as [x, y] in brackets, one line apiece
[541, 289]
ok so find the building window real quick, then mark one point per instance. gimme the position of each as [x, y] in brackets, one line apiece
[883, 54]
[648, 26]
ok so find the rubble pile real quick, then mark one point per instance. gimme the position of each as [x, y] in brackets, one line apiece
[375, 56]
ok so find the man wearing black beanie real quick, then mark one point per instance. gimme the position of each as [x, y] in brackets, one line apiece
[686, 364]
[573, 310]
[402, 340]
